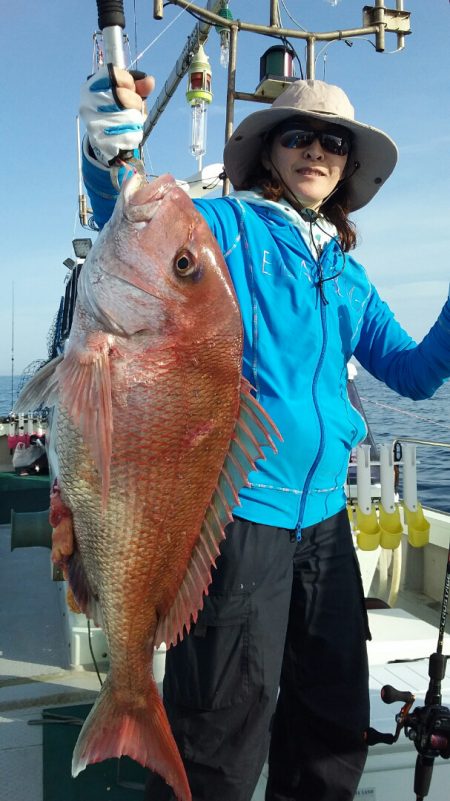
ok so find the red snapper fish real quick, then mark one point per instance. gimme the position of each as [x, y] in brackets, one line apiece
[155, 433]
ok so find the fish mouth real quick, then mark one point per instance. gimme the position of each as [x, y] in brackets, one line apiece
[143, 199]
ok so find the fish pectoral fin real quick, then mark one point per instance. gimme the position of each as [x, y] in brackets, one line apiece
[250, 435]
[41, 390]
[85, 391]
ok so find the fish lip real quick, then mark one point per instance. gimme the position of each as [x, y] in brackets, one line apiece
[151, 195]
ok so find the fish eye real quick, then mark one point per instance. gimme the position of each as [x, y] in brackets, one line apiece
[185, 263]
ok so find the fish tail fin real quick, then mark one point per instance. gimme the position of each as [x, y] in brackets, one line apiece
[113, 729]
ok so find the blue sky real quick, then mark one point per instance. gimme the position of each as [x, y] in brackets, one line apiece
[404, 234]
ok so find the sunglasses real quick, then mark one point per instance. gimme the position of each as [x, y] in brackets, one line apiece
[337, 144]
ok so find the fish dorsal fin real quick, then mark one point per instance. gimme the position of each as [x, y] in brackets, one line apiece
[85, 392]
[251, 433]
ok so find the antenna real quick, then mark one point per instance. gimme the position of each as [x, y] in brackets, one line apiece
[12, 344]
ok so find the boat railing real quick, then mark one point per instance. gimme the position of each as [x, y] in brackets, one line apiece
[415, 441]
[386, 514]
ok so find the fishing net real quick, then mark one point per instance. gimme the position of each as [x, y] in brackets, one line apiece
[29, 371]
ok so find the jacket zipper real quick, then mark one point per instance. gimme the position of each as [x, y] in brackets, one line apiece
[320, 450]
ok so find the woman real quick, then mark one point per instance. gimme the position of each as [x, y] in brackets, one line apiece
[278, 654]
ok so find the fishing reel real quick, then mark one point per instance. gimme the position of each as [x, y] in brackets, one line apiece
[427, 726]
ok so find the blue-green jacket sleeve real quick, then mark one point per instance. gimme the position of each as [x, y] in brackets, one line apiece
[387, 352]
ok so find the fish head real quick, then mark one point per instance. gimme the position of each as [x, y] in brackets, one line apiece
[157, 267]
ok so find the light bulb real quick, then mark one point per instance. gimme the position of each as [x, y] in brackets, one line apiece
[198, 128]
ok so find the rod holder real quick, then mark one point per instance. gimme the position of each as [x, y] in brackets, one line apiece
[387, 477]
[30, 530]
[364, 494]
[409, 476]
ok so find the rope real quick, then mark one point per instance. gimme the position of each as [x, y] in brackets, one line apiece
[159, 36]
[408, 414]
[291, 17]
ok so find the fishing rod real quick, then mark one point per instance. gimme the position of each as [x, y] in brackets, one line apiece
[427, 726]
[111, 22]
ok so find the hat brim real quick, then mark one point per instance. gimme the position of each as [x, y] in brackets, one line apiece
[373, 151]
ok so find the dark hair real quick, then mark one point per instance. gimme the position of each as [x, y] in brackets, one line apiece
[335, 209]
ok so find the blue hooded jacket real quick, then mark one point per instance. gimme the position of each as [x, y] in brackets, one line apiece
[303, 318]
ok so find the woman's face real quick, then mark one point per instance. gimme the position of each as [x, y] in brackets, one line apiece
[305, 163]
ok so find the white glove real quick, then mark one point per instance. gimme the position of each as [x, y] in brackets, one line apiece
[113, 130]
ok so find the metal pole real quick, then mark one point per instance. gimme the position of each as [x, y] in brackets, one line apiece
[253, 98]
[293, 33]
[82, 205]
[231, 87]
[310, 57]
[158, 9]
[380, 21]
[400, 36]
[430, 442]
[274, 14]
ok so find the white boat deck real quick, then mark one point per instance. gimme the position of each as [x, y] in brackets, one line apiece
[34, 674]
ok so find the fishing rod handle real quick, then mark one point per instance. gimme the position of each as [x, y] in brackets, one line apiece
[422, 776]
[111, 21]
[110, 12]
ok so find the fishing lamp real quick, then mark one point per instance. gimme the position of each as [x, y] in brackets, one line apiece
[276, 71]
[81, 247]
[224, 33]
[199, 96]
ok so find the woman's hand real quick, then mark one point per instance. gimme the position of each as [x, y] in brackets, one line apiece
[112, 108]
[132, 88]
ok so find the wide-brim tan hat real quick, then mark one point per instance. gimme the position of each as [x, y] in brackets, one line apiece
[373, 151]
